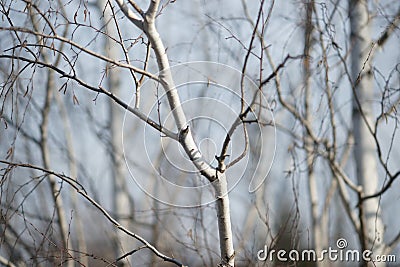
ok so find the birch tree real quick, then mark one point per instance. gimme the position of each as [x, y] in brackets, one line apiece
[121, 203]
[185, 176]
[364, 129]
[321, 46]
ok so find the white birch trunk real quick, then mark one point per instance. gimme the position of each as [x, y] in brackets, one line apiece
[224, 222]
[365, 146]
[185, 135]
[188, 143]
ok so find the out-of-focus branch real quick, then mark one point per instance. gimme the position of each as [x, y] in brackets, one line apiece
[81, 191]
[392, 244]
[122, 205]
[99, 90]
[83, 49]
[44, 131]
[389, 29]
[392, 178]
[6, 262]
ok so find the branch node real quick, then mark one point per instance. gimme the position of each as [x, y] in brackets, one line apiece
[183, 133]
[221, 163]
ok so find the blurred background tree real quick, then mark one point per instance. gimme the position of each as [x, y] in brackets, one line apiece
[71, 150]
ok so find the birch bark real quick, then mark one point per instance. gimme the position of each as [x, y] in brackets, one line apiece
[363, 118]
[186, 139]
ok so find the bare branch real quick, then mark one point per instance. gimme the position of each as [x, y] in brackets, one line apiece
[130, 14]
[81, 48]
[80, 190]
[389, 29]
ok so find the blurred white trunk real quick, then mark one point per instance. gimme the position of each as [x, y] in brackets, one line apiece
[54, 183]
[319, 230]
[78, 225]
[365, 146]
[121, 204]
[46, 154]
